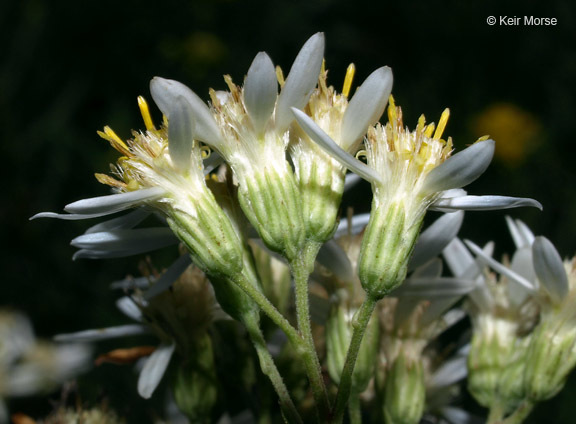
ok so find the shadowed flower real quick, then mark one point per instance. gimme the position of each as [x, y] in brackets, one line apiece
[29, 366]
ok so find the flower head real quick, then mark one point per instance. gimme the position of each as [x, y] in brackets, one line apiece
[320, 176]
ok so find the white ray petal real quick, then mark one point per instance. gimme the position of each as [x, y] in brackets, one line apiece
[550, 268]
[70, 216]
[342, 156]
[435, 238]
[169, 276]
[121, 240]
[154, 369]
[127, 221]
[260, 91]
[456, 415]
[103, 333]
[482, 203]
[350, 181]
[366, 106]
[358, 223]
[164, 92]
[301, 80]
[104, 205]
[460, 169]
[431, 269]
[212, 162]
[425, 288]
[458, 258]
[130, 283]
[333, 257]
[498, 267]
[180, 133]
[129, 308]
[451, 372]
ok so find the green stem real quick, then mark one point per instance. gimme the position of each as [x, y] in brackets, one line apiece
[269, 309]
[355, 409]
[269, 369]
[520, 414]
[309, 358]
[496, 414]
[360, 323]
[301, 267]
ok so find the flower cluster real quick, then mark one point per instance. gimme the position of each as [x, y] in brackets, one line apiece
[250, 186]
[523, 347]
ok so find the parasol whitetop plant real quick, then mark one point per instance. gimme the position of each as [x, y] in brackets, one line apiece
[268, 160]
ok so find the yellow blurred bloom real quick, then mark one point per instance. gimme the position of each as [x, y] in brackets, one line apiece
[515, 130]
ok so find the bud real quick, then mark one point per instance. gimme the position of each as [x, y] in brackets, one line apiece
[338, 336]
[209, 235]
[405, 391]
[496, 363]
[550, 358]
[195, 383]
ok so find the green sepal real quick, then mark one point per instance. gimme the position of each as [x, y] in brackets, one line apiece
[387, 245]
[405, 392]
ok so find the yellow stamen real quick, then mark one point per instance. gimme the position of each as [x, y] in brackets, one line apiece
[109, 181]
[421, 124]
[205, 151]
[361, 154]
[442, 124]
[114, 140]
[323, 67]
[145, 112]
[348, 80]
[280, 76]
[430, 130]
[483, 138]
[392, 112]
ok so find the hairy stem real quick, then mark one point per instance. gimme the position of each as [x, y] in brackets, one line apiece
[360, 323]
[355, 409]
[301, 268]
[271, 371]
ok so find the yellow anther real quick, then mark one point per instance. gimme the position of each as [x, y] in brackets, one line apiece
[483, 138]
[145, 112]
[430, 130]
[350, 72]
[108, 180]
[421, 124]
[361, 154]
[442, 124]
[392, 112]
[280, 76]
[114, 140]
[205, 151]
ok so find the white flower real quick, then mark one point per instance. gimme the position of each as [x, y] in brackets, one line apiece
[417, 165]
[163, 170]
[29, 366]
[321, 177]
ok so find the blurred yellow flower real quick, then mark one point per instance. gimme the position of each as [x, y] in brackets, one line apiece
[515, 130]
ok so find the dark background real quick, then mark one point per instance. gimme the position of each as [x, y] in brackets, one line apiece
[69, 68]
